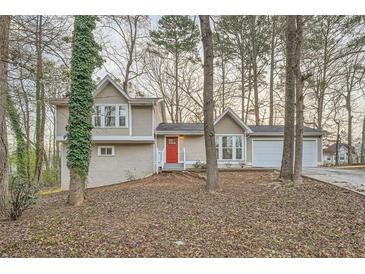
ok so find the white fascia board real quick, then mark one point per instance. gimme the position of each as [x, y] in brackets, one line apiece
[116, 138]
[280, 134]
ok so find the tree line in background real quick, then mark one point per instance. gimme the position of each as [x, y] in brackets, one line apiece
[315, 78]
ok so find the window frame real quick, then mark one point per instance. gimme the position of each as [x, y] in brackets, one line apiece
[219, 145]
[116, 115]
[106, 155]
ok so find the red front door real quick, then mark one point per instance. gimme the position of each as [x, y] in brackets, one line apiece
[171, 149]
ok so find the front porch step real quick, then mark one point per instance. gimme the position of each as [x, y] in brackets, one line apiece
[171, 167]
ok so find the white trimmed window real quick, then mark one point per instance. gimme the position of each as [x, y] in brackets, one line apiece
[106, 151]
[110, 115]
[97, 116]
[123, 111]
[229, 147]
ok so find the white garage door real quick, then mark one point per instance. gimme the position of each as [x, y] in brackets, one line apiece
[269, 153]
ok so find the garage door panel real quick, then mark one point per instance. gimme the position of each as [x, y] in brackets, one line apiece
[267, 153]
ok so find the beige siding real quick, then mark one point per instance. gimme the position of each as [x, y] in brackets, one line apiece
[249, 150]
[320, 150]
[110, 95]
[194, 148]
[131, 161]
[141, 121]
[158, 114]
[227, 126]
[160, 142]
[61, 120]
[110, 131]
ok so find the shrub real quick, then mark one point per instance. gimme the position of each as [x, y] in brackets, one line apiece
[22, 196]
[199, 164]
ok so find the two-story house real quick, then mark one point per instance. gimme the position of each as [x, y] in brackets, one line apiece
[132, 139]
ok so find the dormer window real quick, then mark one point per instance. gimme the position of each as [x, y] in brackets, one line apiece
[110, 115]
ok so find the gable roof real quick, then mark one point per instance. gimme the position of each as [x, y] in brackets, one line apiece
[235, 117]
[332, 148]
[102, 84]
[259, 130]
[105, 81]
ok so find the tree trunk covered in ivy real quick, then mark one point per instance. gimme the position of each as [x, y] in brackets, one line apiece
[288, 147]
[21, 147]
[4, 55]
[84, 60]
[209, 135]
[40, 106]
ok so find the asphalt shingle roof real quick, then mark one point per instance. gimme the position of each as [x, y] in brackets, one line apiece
[200, 127]
[266, 128]
[180, 127]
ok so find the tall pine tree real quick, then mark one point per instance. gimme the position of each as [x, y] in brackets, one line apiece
[85, 58]
[177, 35]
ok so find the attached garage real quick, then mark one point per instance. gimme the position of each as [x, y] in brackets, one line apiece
[268, 153]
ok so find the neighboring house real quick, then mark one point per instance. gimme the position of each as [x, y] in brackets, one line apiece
[131, 139]
[329, 154]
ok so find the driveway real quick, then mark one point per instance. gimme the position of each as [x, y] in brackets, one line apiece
[352, 178]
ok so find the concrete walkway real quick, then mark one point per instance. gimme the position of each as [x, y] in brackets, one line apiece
[351, 178]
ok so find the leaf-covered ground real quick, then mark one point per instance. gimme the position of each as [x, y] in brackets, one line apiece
[170, 215]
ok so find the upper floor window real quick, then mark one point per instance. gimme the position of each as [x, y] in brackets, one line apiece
[97, 116]
[110, 115]
[123, 111]
[109, 112]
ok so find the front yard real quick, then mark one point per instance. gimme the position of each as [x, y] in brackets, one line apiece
[170, 215]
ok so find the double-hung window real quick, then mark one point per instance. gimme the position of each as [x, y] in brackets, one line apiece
[229, 147]
[97, 116]
[110, 116]
[123, 110]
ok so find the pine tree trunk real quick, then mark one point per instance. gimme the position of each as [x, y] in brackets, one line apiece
[272, 65]
[299, 104]
[337, 142]
[254, 68]
[242, 86]
[223, 84]
[209, 134]
[4, 55]
[40, 106]
[323, 84]
[249, 91]
[288, 147]
[349, 134]
[177, 87]
[362, 154]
